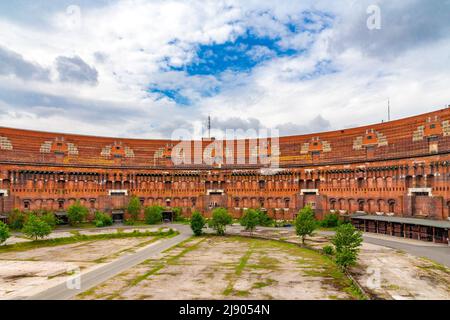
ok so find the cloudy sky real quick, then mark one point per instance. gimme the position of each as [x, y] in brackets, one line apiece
[144, 68]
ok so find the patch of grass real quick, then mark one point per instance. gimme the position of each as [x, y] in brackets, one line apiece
[144, 276]
[262, 284]
[23, 246]
[433, 265]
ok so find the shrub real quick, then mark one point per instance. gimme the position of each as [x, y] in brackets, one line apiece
[4, 232]
[328, 250]
[250, 219]
[36, 228]
[263, 219]
[330, 220]
[102, 219]
[347, 241]
[197, 223]
[16, 219]
[177, 216]
[220, 219]
[50, 219]
[134, 208]
[77, 213]
[129, 222]
[305, 224]
[153, 214]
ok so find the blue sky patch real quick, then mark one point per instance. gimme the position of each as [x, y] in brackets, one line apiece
[240, 55]
[172, 94]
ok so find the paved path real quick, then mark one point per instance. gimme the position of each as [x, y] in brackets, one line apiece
[101, 274]
[436, 252]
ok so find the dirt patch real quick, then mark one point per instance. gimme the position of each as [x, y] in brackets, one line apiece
[388, 274]
[229, 268]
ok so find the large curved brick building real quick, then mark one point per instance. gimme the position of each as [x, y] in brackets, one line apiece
[392, 177]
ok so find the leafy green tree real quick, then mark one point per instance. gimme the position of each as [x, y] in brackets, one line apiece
[347, 241]
[305, 223]
[77, 213]
[16, 219]
[197, 223]
[134, 208]
[330, 220]
[220, 219]
[4, 232]
[153, 214]
[250, 219]
[36, 228]
[264, 219]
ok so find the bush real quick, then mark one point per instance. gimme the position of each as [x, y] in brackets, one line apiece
[197, 223]
[250, 219]
[77, 213]
[16, 219]
[305, 224]
[102, 219]
[328, 250]
[153, 214]
[330, 221]
[347, 241]
[134, 208]
[36, 228]
[220, 219]
[263, 219]
[129, 222]
[4, 232]
[177, 214]
[50, 219]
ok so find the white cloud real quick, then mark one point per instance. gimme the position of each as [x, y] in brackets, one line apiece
[128, 43]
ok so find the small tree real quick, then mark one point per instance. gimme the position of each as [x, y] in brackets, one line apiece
[77, 213]
[197, 223]
[134, 208]
[220, 219]
[4, 232]
[305, 224]
[264, 219]
[250, 219]
[36, 228]
[347, 241]
[153, 214]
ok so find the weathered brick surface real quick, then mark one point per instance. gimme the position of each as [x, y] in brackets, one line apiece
[371, 169]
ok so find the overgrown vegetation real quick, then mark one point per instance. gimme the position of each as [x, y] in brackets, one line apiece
[134, 208]
[4, 232]
[36, 228]
[153, 214]
[16, 219]
[305, 223]
[347, 241]
[220, 219]
[330, 220]
[22, 246]
[77, 213]
[102, 219]
[250, 219]
[197, 223]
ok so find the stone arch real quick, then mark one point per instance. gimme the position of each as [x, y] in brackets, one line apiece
[391, 205]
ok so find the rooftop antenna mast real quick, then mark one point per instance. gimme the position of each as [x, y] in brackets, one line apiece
[209, 127]
[389, 110]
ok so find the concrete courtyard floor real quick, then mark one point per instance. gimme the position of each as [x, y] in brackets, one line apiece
[212, 267]
[384, 273]
[26, 272]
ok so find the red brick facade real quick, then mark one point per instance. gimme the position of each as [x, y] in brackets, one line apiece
[400, 167]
